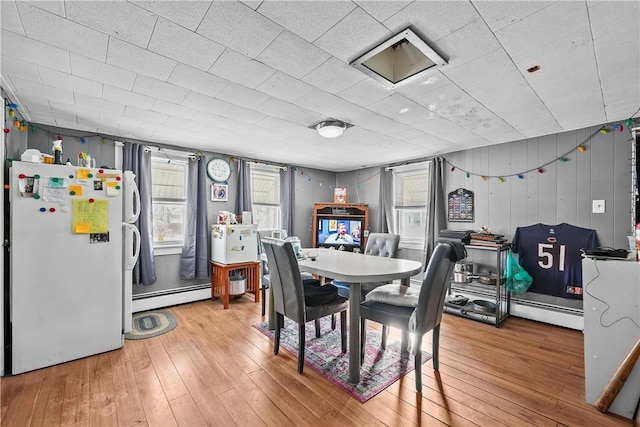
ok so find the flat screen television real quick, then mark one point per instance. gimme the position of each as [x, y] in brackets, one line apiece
[340, 233]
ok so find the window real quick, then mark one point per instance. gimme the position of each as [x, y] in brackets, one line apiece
[169, 183]
[410, 204]
[265, 197]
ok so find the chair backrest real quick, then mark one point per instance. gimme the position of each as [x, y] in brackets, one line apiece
[285, 280]
[428, 313]
[382, 244]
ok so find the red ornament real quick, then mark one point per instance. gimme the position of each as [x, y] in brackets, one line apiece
[6, 130]
[540, 170]
[59, 138]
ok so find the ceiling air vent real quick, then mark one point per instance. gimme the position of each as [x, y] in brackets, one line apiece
[399, 60]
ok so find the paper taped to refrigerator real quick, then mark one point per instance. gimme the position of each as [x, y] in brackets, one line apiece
[92, 212]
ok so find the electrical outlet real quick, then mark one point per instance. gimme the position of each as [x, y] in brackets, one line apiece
[598, 206]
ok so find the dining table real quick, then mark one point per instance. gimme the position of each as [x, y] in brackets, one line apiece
[355, 269]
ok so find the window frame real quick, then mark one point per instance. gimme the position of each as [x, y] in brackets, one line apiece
[415, 169]
[174, 157]
[268, 170]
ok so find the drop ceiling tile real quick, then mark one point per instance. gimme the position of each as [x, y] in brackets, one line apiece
[10, 19]
[186, 13]
[174, 110]
[545, 27]
[321, 102]
[99, 104]
[279, 108]
[176, 42]
[98, 71]
[63, 33]
[432, 80]
[365, 92]
[120, 122]
[238, 27]
[498, 15]
[285, 87]
[119, 19]
[482, 69]
[307, 19]
[68, 82]
[14, 46]
[432, 20]
[292, 55]
[356, 34]
[241, 69]
[155, 88]
[466, 44]
[334, 76]
[196, 80]
[17, 67]
[242, 114]
[115, 94]
[243, 96]
[201, 102]
[146, 116]
[382, 10]
[130, 57]
[307, 118]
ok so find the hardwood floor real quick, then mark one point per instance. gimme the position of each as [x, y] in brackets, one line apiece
[215, 369]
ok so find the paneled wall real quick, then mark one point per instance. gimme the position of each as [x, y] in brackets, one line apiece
[562, 193]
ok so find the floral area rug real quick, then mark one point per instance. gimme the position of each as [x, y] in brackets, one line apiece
[381, 367]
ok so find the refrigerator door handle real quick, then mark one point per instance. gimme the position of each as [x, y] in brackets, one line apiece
[131, 258]
[132, 205]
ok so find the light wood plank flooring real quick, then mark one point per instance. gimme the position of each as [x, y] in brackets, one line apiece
[216, 369]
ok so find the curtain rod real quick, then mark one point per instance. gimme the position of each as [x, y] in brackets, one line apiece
[409, 162]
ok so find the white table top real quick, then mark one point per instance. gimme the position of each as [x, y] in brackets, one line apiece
[357, 268]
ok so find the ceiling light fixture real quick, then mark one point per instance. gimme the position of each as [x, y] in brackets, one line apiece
[331, 128]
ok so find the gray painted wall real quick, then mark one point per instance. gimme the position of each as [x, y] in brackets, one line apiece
[563, 193]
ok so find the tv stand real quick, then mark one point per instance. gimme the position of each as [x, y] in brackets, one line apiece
[341, 212]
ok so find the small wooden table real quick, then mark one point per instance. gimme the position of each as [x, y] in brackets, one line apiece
[220, 279]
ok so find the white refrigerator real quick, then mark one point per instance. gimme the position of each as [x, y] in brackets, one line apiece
[72, 244]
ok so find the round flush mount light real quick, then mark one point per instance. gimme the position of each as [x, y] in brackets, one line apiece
[330, 128]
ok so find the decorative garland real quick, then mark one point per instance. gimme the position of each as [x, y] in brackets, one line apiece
[581, 147]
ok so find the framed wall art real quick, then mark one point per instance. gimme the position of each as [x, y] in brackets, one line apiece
[219, 192]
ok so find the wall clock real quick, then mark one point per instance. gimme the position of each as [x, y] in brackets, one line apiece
[218, 170]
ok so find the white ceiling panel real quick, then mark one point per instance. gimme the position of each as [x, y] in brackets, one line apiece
[98, 71]
[176, 42]
[186, 13]
[238, 68]
[63, 33]
[308, 19]
[238, 27]
[248, 78]
[130, 57]
[120, 19]
[292, 55]
[356, 34]
[14, 46]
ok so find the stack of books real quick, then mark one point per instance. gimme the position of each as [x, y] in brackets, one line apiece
[487, 239]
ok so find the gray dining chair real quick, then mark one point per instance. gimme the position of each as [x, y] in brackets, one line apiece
[299, 303]
[413, 311]
[378, 244]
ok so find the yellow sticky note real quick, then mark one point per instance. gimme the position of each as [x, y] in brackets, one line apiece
[76, 189]
[83, 173]
[82, 228]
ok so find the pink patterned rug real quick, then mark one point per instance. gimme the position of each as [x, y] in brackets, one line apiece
[380, 369]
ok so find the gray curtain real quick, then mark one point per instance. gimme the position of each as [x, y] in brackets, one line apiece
[243, 194]
[287, 199]
[387, 225]
[436, 206]
[137, 160]
[194, 261]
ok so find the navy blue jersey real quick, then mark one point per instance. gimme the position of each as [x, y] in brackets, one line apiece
[551, 255]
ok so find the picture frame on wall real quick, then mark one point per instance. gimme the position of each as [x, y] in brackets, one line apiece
[219, 192]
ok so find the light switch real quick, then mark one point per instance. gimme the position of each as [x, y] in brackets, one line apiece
[598, 206]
